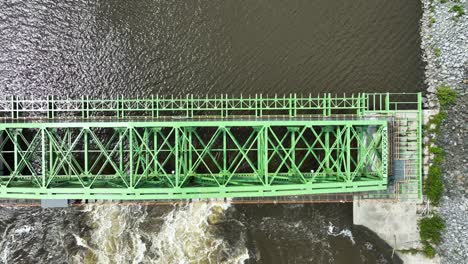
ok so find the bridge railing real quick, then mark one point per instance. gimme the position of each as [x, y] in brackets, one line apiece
[195, 106]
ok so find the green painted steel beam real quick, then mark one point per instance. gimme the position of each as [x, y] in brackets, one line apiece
[190, 159]
[124, 149]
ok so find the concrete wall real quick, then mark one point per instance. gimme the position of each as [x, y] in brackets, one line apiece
[394, 222]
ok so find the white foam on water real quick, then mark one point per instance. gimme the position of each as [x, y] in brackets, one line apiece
[186, 236]
[24, 229]
[5, 252]
[80, 241]
[120, 235]
[334, 231]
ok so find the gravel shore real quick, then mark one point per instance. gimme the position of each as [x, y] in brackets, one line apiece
[444, 40]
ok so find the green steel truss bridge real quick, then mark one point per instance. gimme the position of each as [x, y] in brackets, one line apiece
[200, 147]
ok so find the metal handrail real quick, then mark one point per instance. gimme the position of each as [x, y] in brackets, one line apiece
[193, 106]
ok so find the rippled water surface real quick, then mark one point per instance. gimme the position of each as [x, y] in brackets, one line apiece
[137, 48]
[104, 48]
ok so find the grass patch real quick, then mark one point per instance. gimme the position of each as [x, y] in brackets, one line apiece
[428, 250]
[443, 1]
[458, 9]
[430, 229]
[447, 96]
[434, 184]
[436, 150]
[437, 52]
[435, 121]
[431, 21]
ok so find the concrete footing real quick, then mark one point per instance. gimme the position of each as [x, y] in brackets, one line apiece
[54, 203]
[396, 223]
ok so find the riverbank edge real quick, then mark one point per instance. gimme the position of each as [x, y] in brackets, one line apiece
[444, 42]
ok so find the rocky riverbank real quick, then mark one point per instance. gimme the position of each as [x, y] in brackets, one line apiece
[444, 40]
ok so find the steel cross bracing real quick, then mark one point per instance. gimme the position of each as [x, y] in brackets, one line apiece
[49, 154]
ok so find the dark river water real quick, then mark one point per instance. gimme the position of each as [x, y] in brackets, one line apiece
[105, 48]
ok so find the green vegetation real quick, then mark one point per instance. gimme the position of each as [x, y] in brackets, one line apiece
[428, 250]
[437, 52]
[458, 9]
[434, 184]
[447, 96]
[443, 1]
[436, 150]
[433, 126]
[430, 229]
[431, 21]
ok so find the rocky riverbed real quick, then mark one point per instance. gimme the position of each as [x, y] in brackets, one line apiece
[444, 40]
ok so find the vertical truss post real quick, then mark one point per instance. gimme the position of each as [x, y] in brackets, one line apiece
[184, 150]
[191, 105]
[130, 143]
[348, 152]
[362, 149]
[227, 106]
[260, 156]
[176, 153]
[326, 130]
[261, 105]
[387, 103]
[294, 105]
[43, 157]
[51, 154]
[293, 131]
[324, 105]
[69, 157]
[12, 107]
[338, 161]
[190, 159]
[117, 108]
[146, 137]
[265, 154]
[121, 149]
[256, 106]
[155, 150]
[225, 157]
[358, 105]
[187, 108]
[82, 107]
[290, 104]
[16, 150]
[157, 106]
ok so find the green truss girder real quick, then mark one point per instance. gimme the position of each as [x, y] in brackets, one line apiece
[201, 147]
[192, 159]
